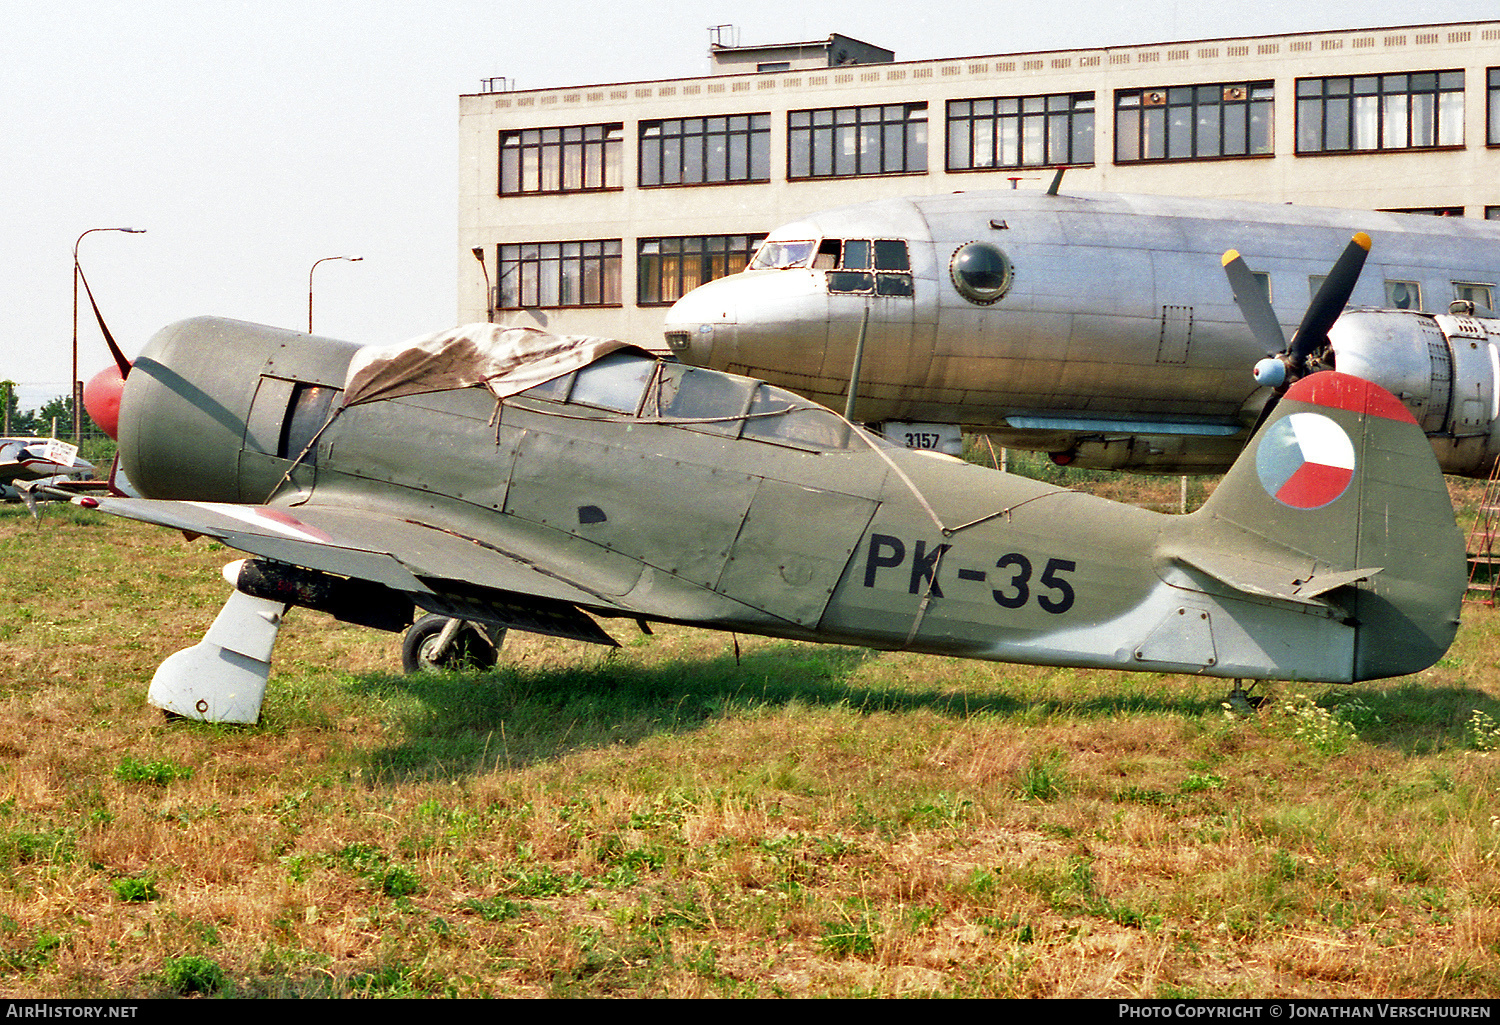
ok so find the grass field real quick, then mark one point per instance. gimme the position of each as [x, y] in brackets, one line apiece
[684, 818]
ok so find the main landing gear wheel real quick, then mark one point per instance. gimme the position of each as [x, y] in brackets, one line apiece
[438, 642]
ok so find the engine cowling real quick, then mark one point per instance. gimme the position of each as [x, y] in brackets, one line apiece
[1442, 366]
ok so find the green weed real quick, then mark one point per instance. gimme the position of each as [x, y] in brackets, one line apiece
[1482, 733]
[193, 973]
[851, 935]
[155, 773]
[134, 889]
[1043, 778]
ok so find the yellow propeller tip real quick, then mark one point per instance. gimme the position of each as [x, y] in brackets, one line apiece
[1362, 240]
[1234, 255]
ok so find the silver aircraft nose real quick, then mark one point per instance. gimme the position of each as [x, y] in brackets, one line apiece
[752, 320]
[705, 316]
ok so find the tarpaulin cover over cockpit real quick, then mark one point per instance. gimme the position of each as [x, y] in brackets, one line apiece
[506, 360]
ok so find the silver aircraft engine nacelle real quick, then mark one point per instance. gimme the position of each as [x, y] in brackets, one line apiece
[220, 410]
[1443, 367]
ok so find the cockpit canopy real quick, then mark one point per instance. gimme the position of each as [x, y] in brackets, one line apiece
[866, 266]
[700, 400]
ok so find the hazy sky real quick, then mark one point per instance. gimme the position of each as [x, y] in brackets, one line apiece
[252, 139]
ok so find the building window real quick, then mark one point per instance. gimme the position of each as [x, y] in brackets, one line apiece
[549, 274]
[1021, 131]
[1403, 295]
[845, 141]
[705, 150]
[582, 158]
[1475, 292]
[1430, 211]
[1494, 107]
[1492, 213]
[669, 268]
[1380, 112]
[1193, 122]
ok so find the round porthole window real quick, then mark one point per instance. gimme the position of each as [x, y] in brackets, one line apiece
[981, 272]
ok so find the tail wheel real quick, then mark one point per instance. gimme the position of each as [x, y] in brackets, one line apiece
[422, 648]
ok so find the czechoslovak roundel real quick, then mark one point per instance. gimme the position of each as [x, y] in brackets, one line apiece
[1305, 461]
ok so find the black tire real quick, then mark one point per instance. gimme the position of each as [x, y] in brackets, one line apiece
[469, 649]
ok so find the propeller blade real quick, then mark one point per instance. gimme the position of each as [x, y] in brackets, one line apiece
[114, 350]
[1250, 295]
[1332, 297]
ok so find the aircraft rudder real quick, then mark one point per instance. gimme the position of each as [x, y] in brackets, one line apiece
[1342, 474]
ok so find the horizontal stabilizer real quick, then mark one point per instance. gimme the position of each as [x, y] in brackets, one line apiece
[1272, 580]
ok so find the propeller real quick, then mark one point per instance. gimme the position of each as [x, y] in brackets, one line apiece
[1288, 363]
[101, 395]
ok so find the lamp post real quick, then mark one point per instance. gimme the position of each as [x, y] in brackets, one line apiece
[351, 259]
[73, 382]
[489, 301]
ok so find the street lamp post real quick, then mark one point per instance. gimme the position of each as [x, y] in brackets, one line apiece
[489, 300]
[73, 383]
[351, 259]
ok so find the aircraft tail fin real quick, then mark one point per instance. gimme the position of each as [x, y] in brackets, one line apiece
[1338, 501]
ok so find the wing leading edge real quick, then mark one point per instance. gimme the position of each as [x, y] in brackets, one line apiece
[438, 569]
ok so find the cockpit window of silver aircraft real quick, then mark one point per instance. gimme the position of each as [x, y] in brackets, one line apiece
[782, 255]
[879, 266]
[860, 266]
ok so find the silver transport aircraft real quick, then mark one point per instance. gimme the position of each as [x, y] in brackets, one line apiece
[1104, 329]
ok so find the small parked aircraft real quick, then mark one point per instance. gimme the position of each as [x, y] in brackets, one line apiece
[516, 479]
[46, 460]
[1101, 328]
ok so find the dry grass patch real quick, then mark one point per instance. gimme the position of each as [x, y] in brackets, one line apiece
[676, 820]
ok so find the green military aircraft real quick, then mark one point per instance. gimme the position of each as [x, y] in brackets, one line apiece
[507, 478]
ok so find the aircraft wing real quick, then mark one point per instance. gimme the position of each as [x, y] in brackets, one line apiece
[432, 565]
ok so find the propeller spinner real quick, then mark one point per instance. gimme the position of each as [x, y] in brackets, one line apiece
[101, 397]
[1288, 362]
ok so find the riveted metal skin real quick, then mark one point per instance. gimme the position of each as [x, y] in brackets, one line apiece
[1117, 340]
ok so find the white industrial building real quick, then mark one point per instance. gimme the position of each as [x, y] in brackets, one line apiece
[595, 206]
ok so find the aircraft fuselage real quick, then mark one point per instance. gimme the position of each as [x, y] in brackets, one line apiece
[653, 491]
[1116, 336]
